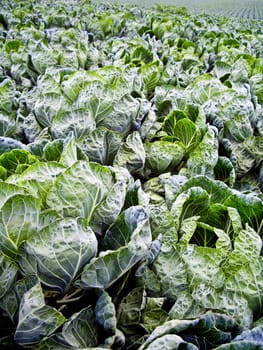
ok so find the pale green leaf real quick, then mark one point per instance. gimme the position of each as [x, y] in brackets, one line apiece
[78, 121]
[204, 157]
[81, 331]
[19, 219]
[132, 234]
[101, 145]
[58, 252]
[8, 273]
[38, 178]
[162, 156]
[7, 95]
[9, 190]
[80, 189]
[69, 154]
[131, 154]
[187, 133]
[108, 210]
[36, 320]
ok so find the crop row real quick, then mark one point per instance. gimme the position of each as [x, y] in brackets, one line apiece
[131, 177]
[252, 12]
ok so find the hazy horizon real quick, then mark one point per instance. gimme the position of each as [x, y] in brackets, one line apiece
[231, 8]
[187, 2]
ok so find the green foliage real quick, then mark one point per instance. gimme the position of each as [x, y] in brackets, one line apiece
[131, 212]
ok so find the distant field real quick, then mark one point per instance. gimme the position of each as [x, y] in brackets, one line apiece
[247, 9]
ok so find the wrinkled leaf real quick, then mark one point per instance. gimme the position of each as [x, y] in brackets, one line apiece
[58, 252]
[36, 320]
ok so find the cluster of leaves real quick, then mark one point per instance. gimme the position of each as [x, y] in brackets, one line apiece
[131, 207]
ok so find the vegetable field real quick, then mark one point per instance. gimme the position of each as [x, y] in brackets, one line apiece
[131, 178]
[245, 9]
